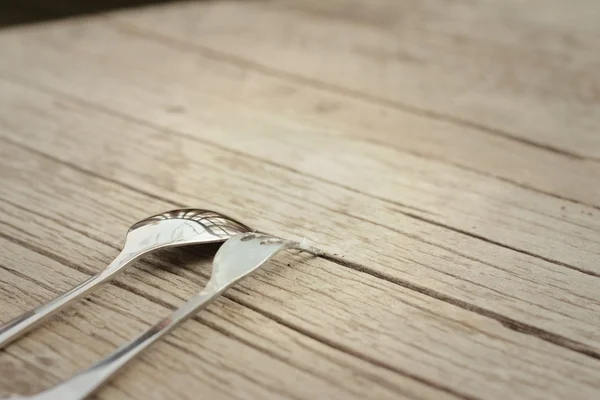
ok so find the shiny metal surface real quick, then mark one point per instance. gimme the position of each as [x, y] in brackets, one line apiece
[237, 258]
[170, 229]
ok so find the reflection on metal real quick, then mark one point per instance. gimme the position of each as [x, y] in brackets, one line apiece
[214, 223]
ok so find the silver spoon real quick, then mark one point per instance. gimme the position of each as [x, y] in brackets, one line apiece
[238, 257]
[170, 229]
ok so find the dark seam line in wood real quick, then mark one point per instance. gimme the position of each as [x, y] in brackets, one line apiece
[161, 129]
[232, 336]
[264, 350]
[6, 294]
[29, 279]
[491, 241]
[211, 53]
[229, 369]
[16, 228]
[38, 370]
[68, 321]
[82, 269]
[466, 325]
[92, 173]
[517, 326]
[117, 310]
[45, 253]
[196, 318]
[210, 376]
[367, 375]
[505, 321]
[250, 378]
[478, 172]
[313, 12]
[348, 350]
[58, 222]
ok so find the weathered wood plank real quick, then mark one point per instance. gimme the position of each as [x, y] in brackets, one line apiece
[476, 205]
[459, 273]
[457, 266]
[400, 329]
[504, 67]
[323, 110]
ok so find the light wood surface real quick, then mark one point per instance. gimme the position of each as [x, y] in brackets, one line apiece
[446, 155]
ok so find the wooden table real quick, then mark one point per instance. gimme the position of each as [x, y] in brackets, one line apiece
[445, 154]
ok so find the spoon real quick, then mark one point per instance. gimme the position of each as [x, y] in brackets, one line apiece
[170, 229]
[238, 257]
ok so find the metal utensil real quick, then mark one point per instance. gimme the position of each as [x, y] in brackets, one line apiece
[238, 257]
[170, 229]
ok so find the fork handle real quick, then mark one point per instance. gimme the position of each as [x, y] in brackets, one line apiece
[86, 382]
[22, 324]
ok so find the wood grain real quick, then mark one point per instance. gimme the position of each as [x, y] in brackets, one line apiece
[472, 204]
[437, 339]
[462, 234]
[416, 253]
[519, 70]
[423, 133]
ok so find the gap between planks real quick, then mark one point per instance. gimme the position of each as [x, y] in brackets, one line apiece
[508, 322]
[337, 89]
[479, 172]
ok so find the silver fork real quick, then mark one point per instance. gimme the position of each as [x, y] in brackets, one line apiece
[238, 257]
[188, 226]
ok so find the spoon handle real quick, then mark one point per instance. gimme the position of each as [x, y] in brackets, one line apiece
[86, 382]
[22, 324]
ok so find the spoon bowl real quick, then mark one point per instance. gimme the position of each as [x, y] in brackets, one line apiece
[182, 227]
